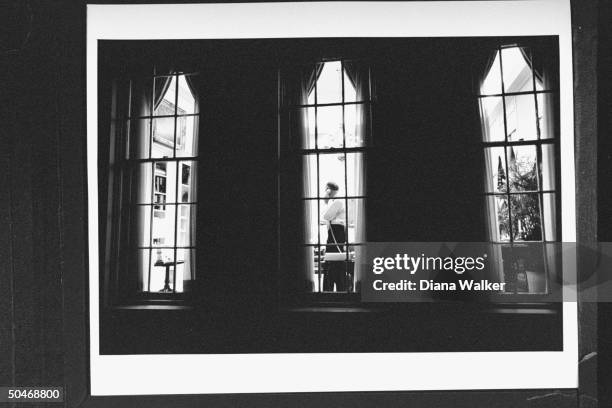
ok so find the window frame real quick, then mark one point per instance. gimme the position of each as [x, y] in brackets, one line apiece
[296, 151]
[538, 143]
[126, 165]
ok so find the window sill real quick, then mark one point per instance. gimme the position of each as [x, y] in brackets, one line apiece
[351, 303]
[151, 307]
[152, 303]
[332, 309]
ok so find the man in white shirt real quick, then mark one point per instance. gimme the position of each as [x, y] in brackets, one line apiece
[334, 216]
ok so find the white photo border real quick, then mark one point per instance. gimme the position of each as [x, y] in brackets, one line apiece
[302, 372]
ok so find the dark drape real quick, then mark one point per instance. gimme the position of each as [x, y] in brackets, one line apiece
[312, 79]
[482, 64]
[543, 59]
[161, 84]
[358, 74]
[299, 84]
[195, 83]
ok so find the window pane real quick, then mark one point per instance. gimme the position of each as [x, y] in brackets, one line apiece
[521, 118]
[186, 231]
[354, 125]
[356, 220]
[496, 178]
[544, 118]
[549, 212]
[525, 213]
[141, 225]
[355, 174]
[187, 186]
[186, 99]
[524, 269]
[186, 136]
[162, 264]
[337, 275]
[333, 211]
[329, 127]
[185, 269]
[350, 93]
[142, 262]
[314, 258]
[309, 134]
[139, 141]
[309, 171]
[517, 72]
[163, 137]
[141, 183]
[162, 229]
[522, 168]
[492, 83]
[332, 169]
[500, 224]
[329, 84]
[164, 185]
[165, 95]
[492, 113]
[312, 222]
[548, 167]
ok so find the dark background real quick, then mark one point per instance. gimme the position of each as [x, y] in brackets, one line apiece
[424, 177]
[43, 242]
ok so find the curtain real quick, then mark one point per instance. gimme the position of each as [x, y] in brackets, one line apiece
[358, 75]
[484, 64]
[147, 93]
[190, 259]
[303, 83]
[139, 176]
[161, 87]
[543, 61]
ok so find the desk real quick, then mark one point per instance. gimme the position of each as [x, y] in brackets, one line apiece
[166, 287]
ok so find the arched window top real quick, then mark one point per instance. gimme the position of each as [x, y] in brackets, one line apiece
[512, 69]
[332, 77]
[330, 124]
[174, 97]
[158, 180]
[185, 103]
[519, 149]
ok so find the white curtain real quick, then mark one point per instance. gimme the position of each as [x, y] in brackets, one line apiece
[140, 178]
[298, 85]
[543, 61]
[190, 257]
[359, 77]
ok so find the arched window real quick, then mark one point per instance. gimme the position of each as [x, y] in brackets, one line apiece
[520, 150]
[330, 134]
[154, 175]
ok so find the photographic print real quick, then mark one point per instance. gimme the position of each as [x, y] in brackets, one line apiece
[240, 180]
